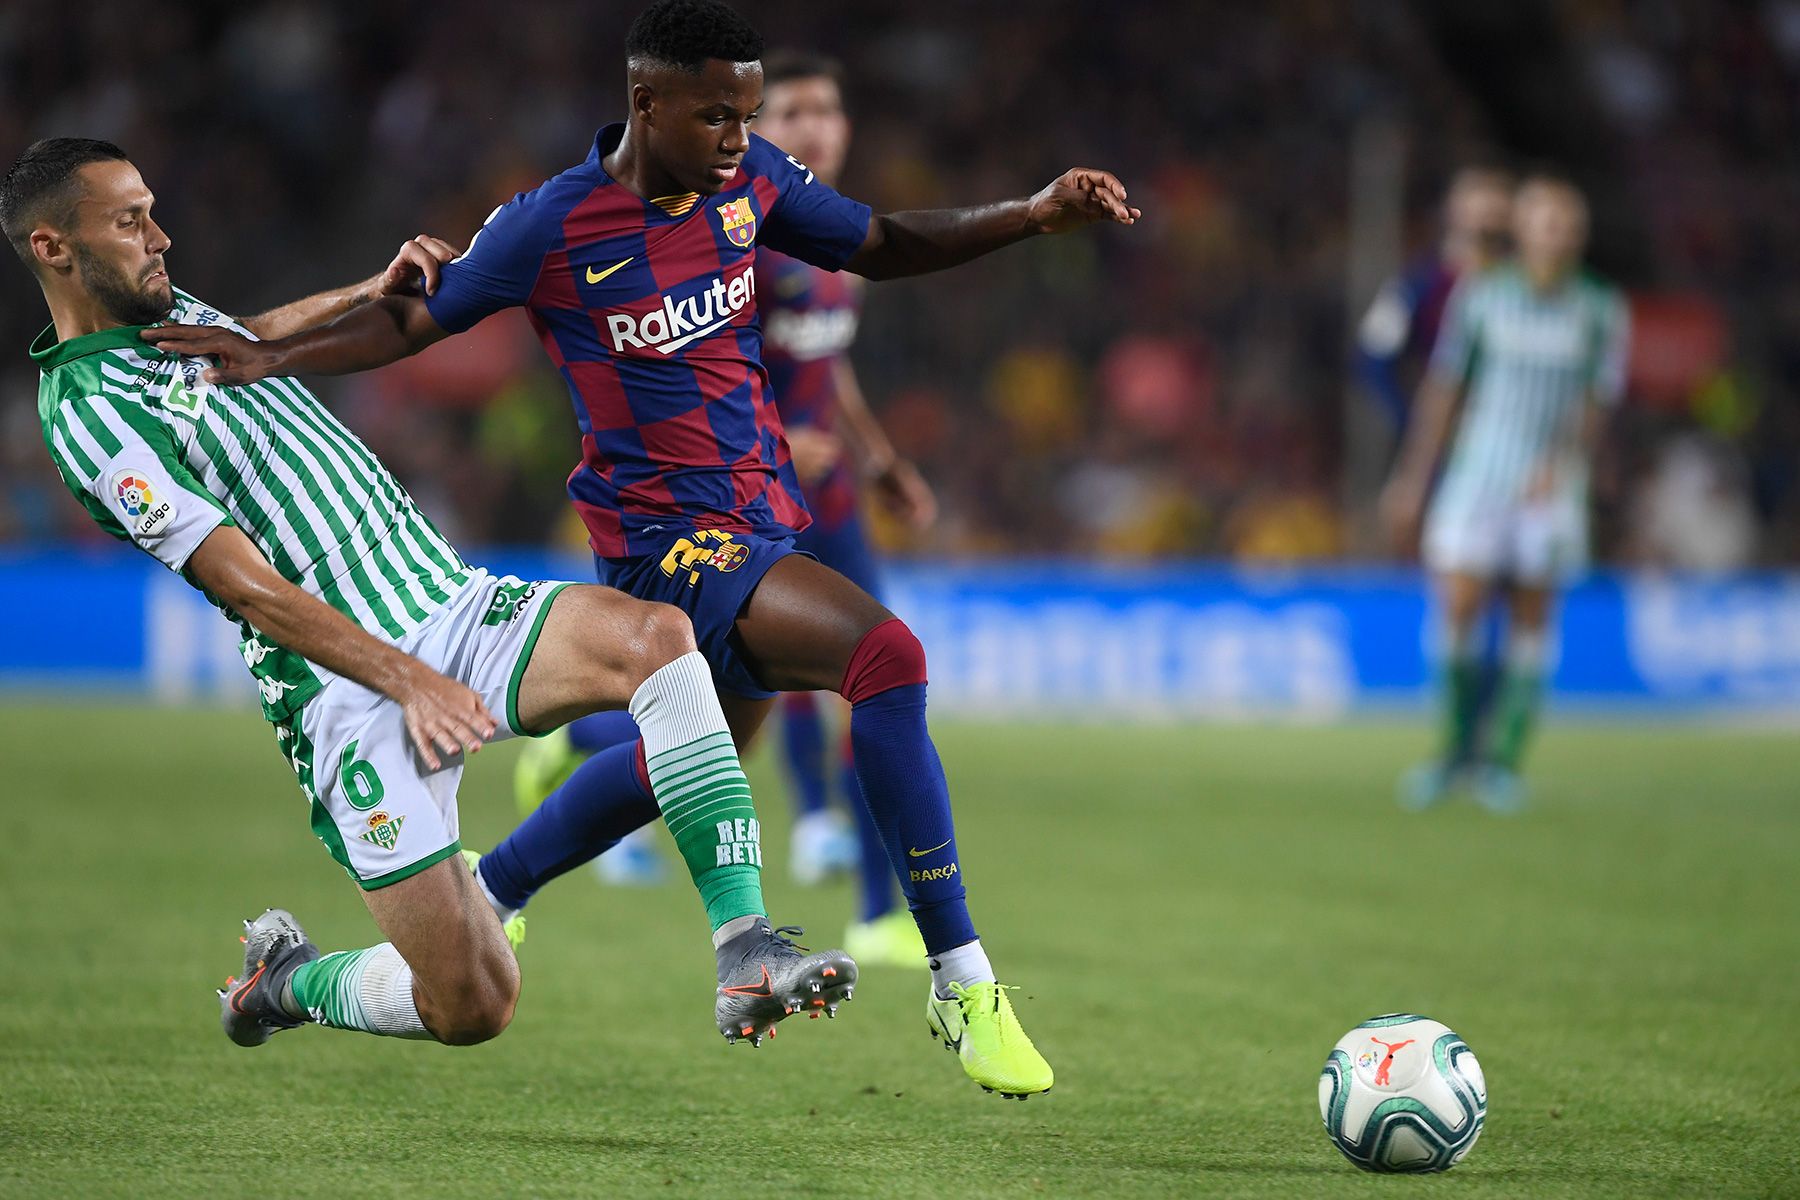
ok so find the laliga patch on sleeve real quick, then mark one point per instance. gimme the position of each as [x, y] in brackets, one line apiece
[146, 509]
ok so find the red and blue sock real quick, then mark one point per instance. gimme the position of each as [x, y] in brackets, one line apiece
[902, 781]
[598, 731]
[606, 798]
[803, 743]
[874, 875]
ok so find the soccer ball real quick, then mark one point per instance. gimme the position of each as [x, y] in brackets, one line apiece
[1402, 1093]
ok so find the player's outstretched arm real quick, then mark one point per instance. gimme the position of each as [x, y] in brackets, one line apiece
[415, 267]
[914, 243]
[374, 335]
[443, 716]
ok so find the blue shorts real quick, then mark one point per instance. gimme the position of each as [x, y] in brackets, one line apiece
[844, 548]
[709, 575]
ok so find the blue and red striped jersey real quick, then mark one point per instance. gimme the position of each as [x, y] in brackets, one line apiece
[648, 308]
[809, 321]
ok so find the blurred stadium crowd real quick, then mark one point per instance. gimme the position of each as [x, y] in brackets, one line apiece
[1177, 389]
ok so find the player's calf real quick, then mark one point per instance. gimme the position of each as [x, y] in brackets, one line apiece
[448, 961]
[463, 992]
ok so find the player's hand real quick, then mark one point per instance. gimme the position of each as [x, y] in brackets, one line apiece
[444, 717]
[1402, 512]
[906, 494]
[418, 263]
[1080, 197]
[238, 359]
[814, 452]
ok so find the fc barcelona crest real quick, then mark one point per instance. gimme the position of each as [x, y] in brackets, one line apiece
[729, 557]
[739, 220]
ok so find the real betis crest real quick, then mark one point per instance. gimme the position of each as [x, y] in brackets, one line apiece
[383, 831]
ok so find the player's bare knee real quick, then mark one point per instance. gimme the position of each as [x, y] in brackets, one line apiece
[663, 634]
[481, 1007]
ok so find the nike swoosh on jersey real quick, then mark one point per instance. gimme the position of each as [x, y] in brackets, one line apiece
[916, 853]
[594, 276]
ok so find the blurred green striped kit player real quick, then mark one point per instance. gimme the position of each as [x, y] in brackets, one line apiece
[1531, 356]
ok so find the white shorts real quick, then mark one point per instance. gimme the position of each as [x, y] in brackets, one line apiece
[380, 812]
[1543, 542]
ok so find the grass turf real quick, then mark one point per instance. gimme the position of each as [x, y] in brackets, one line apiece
[1195, 915]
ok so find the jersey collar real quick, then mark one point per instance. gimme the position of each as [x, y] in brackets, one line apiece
[49, 354]
[605, 142]
[674, 208]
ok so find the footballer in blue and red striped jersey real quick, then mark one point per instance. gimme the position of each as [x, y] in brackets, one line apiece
[648, 309]
[1401, 325]
[809, 321]
[638, 268]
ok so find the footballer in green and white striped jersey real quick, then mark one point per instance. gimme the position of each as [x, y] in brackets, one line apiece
[1531, 361]
[160, 457]
[1530, 357]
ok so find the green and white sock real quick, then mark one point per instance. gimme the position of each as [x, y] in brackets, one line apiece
[1460, 693]
[370, 990]
[700, 787]
[1521, 696]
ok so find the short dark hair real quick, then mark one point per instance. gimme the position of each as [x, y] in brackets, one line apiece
[685, 33]
[786, 65]
[38, 185]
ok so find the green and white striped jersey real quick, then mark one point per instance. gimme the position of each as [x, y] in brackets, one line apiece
[1531, 362]
[160, 458]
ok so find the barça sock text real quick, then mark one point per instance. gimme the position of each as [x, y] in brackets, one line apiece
[903, 781]
[803, 741]
[606, 798]
[700, 787]
[370, 990]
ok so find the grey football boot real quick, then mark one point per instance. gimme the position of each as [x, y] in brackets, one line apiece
[764, 977]
[250, 1005]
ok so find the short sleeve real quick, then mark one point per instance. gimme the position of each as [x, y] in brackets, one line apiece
[1612, 350]
[1388, 323]
[123, 465]
[809, 221]
[1459, 335]
[498, 270]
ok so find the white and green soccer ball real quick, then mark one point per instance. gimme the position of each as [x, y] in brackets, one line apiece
[1403, 1093]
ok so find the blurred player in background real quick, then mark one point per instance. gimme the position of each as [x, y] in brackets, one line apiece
[1397, 334]
[809, 321]
[1531, 356]
[381, 657]
[636, 267]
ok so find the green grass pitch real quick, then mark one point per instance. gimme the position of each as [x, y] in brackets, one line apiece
[1194, 914]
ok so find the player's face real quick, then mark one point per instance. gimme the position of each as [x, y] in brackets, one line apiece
[700, 124]
[1481, 221]
[118, 249]
[806, 118]
[1550, 222]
